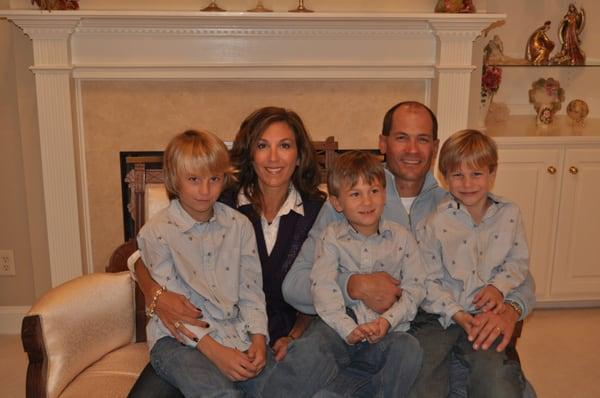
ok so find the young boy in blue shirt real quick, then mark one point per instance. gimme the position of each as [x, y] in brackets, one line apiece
[206, 251]
[476, 253]
[364, 243]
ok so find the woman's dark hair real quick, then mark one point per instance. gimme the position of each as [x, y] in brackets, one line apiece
[305, 177]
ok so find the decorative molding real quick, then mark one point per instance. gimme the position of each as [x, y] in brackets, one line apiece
[70, 46]
[11, 318]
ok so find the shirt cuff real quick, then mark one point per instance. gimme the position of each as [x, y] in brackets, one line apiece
[131, 263]
[449, 313]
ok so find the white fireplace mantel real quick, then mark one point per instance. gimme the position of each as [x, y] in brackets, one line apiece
[71, 46]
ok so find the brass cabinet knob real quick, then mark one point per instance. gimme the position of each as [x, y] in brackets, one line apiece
[551, 169]
[573, 170]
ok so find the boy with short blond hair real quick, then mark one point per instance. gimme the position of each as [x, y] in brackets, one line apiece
[206, 251]
[476, 253]
[363, 243]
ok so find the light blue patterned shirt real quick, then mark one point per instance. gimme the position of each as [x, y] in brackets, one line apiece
[462, 257]
[342, 249]
[213, 264]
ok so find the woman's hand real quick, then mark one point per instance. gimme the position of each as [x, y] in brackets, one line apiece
[174, 310]
[171, 308]
[281, 347]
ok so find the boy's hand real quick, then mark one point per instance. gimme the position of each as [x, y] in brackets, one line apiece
[464, 320]
[382, 326]
[489, 298]
[234, 364]
[356, 336]
[257, 352]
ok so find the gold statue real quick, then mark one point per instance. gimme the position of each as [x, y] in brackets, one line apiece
[539, 46]
[493, 54]
[568, 32]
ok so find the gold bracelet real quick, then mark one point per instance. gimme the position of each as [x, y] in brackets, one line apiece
[515, 306]
[150, 309]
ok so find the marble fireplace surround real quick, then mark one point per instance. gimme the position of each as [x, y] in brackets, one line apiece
[73, 47]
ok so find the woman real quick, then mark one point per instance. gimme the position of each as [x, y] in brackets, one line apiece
[277, 190]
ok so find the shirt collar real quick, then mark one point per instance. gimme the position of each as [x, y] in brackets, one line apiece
[293, 202]
[184, 222]
[346, 229]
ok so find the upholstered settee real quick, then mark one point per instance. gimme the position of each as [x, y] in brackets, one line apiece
[81, 339]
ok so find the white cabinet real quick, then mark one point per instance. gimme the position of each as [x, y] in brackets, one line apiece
[556, 183]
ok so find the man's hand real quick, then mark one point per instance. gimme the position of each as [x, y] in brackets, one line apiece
[490, 326]
[172, 308]
[257, 352]
[489, 298]
[464, 320]
[234, 364]
[379, 290]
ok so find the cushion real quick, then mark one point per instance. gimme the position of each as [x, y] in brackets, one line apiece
[112, 376]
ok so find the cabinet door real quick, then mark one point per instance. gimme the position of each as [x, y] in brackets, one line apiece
[531, 178]
[576, 272]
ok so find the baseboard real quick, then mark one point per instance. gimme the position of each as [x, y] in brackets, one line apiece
[11, 318]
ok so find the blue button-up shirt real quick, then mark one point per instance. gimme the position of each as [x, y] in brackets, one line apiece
[342, 249]
[462, 257]
[214, 264]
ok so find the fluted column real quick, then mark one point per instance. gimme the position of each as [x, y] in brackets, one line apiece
[52, 68]
[453, 71]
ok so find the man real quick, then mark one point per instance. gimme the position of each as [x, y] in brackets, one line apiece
[409, 141]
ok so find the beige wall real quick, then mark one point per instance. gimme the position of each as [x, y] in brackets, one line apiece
[197, 104]
[20, 216]
[132, 116]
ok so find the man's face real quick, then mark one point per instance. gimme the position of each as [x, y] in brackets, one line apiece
[409, 147]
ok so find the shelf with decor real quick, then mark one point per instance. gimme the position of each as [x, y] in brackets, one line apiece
[511, 111]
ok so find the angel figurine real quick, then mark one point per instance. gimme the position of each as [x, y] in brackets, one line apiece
[539, 46]
[568, 32]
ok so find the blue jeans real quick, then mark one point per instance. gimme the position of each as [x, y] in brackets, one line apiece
[195, 375]
[490, 373]
[307, 367]
[387, 368]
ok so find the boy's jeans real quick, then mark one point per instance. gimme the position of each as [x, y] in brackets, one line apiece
[384, 369]
[196, 376]
[490, 373]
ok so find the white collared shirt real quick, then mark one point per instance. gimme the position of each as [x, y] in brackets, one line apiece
[293, 202]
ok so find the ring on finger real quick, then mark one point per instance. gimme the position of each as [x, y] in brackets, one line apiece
[177, 325]
[498, 329]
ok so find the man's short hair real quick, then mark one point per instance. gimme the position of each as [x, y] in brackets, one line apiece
[389, 117]
[194, 152]
[350, 166]
[472, 147]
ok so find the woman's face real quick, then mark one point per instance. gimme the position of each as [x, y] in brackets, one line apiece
[275, 156]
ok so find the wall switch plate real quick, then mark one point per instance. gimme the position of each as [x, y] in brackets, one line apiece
[7, 262]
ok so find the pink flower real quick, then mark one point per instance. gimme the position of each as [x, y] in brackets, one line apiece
[490, 80]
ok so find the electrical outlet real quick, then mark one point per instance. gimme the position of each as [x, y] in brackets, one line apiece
[7, 262]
